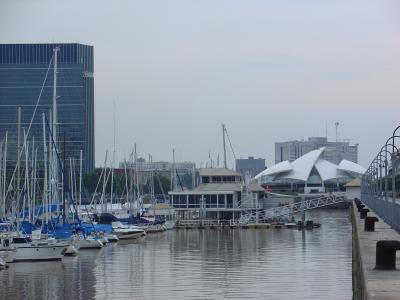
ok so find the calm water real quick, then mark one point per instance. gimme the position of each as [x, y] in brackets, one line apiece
[201, 264]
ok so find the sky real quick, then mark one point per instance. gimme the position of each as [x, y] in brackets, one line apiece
[270, 70]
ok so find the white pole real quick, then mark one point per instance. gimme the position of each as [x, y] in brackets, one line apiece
[26, 185]
[173, 179]
[1, 181]
[50, 199]
[113, 161]
[5, 173]
[71, 178]
[223, 141]
[34, 185]
[32, 166]
[103, 202]
[80, 179]
[45, 186]
[74, 178]
[19, 152]
[54, 125]
[127, 188]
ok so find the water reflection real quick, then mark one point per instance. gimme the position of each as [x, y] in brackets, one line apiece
[201, 264]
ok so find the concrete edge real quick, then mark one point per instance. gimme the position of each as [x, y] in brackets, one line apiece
[358, 278]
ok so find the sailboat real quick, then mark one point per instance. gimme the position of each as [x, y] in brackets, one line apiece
[27, 247]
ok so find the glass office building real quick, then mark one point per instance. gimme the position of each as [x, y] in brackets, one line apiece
[26, 79]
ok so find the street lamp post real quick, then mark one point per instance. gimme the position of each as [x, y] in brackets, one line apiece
[394, 160]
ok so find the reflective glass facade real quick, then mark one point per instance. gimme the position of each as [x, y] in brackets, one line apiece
[23, 69]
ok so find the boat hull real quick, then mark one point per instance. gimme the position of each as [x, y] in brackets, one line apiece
[8, 255]
[71, 251]
[88, 244]
[153, 228]
[112, 238]
[130, 235]
[39, 253]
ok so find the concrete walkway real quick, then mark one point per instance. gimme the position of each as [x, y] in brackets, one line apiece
[382, 285]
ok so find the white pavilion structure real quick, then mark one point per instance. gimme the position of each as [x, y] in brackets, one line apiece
[313, 171]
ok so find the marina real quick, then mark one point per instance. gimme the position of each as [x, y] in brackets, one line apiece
[199, 150]
[201, 264]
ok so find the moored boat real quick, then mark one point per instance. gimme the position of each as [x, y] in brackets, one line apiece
[41, 250]
[127, 231]
[88, 242]
[71, 251]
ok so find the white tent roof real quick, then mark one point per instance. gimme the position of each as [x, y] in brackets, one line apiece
[349, 166]
[327, 170]
[303, 165]
[281, 167]
[301, 168]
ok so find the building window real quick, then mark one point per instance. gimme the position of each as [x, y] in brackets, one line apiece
[229, 201]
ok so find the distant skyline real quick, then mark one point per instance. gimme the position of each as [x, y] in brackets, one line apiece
[270, 70]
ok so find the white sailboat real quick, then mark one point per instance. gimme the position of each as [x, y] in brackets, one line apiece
[89, 242]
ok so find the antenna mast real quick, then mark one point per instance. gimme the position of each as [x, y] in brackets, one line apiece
[336, 125]
[223, 141]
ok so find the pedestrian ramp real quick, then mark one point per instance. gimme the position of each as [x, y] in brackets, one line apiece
[263, 216]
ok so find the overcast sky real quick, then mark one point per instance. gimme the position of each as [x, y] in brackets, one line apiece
[270, 70]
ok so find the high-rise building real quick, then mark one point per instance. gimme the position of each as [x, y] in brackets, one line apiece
[335, 151]
[26, 81]
[251, 166]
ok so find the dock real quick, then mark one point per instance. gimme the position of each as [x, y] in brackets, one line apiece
[369, 283]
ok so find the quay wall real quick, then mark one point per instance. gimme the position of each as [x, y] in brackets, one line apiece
[368, 283]
[357, 271]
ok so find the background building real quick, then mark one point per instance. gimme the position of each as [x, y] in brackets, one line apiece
[250, 165]
[335, 151]
[24, 69]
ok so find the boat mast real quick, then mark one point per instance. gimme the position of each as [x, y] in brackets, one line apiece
[173, 177]
[136, 195]
[80, 179]
[103, 202]
[18, 152]
[4, 174]
[1, 180]
[45, 186]
[54, 177]
[32, 184]
[26, 180]
[113, 160]
[223, 141]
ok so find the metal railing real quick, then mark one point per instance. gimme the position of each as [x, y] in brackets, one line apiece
[378, 187]
[292, 208]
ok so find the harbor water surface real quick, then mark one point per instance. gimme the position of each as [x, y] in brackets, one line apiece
[201, 264]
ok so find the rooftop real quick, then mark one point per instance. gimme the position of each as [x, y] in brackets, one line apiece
[217, 172]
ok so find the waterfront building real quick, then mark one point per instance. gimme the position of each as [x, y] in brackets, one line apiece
[334, 152]
[26, 74]
[353, 189]
[220, 195]
[250, 166]
[311, 173]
